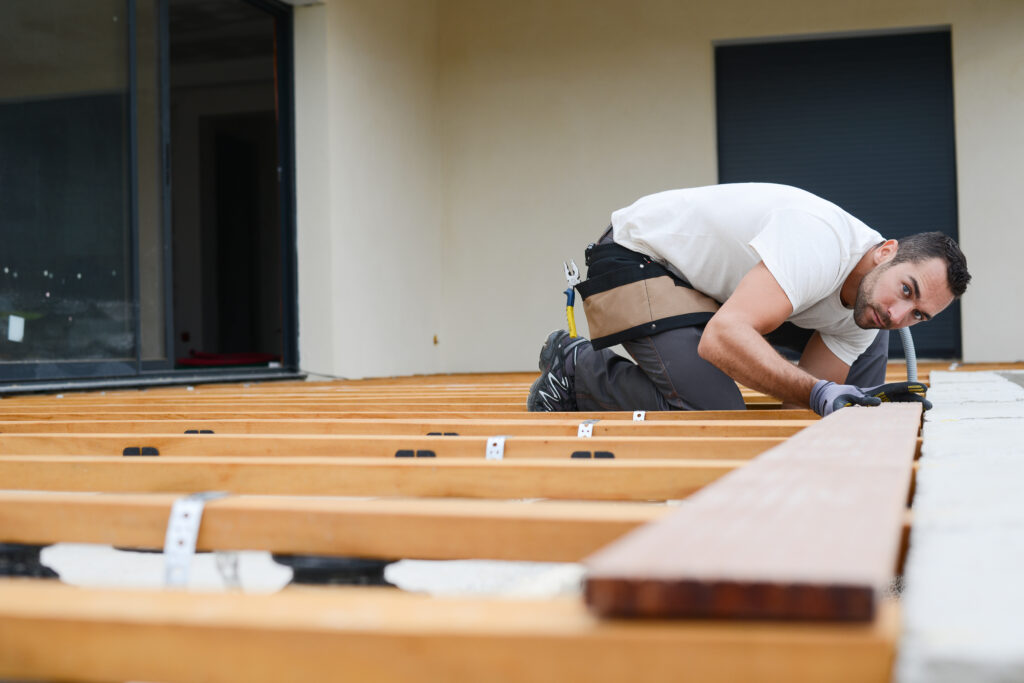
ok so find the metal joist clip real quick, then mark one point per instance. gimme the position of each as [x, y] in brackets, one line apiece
[495, 448]
[182, 533]
[586, 429]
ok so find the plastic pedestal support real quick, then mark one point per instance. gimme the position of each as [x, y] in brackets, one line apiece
[18, 559]
[350, 571]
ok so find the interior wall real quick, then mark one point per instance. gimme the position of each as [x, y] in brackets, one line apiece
[540, 118]
[375, 295]
[85, 59]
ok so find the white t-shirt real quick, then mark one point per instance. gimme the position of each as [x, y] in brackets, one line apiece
[713, 236]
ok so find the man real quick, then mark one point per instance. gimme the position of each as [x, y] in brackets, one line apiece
[698, 284]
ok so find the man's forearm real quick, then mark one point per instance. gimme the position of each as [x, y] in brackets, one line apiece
[741, 352]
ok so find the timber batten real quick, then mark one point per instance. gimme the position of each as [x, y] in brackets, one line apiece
[286, 451]
[381, 635]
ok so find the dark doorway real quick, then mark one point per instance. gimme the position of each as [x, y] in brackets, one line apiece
[228, 287]
[242, 254]
[865, 122]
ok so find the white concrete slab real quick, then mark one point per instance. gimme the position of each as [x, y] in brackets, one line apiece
[963, 601]
[519, 580]
[100, 566]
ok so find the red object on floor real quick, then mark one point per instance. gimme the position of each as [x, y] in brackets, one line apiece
[205, 359]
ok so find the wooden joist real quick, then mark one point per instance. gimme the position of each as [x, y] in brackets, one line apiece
[353, 403]
[476, 400]
[810, 530]
[390, 406]
[381, 446]
[284, 439]
[50, 631]
[601, 479]
[142, 411]
[420, 427]
[381, 528]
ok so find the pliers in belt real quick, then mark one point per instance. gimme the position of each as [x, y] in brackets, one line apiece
[572, 276]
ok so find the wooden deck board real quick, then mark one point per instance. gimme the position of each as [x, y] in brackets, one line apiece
[810, 530]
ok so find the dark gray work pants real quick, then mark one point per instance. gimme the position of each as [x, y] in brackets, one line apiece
[669, 375]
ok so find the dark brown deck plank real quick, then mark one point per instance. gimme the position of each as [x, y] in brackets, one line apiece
[808, 530]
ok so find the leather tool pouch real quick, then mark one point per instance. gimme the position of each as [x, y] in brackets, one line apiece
[627, 295]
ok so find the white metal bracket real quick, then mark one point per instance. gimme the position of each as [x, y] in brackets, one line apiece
[639, 415]
[496, 448]
[586, 429]
[182, 532]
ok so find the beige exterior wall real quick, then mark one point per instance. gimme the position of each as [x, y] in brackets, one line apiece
[546, 115]
[988, 76]
[368, 177]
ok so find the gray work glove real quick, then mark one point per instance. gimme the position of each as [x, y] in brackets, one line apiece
[827, 397]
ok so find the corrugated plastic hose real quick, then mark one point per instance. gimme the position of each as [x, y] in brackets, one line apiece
[909, 353]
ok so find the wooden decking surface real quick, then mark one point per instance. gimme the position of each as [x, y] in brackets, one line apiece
[292, 453]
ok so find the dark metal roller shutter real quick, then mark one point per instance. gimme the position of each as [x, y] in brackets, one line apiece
[865, 122]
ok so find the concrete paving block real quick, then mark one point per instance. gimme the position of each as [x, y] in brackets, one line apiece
[996, 389]
[945, 378]
[973, 438]
[1015, 376]
[963, 602]
[970, 631]
[973, 411]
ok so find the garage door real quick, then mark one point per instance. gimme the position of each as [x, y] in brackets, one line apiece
[865, 122]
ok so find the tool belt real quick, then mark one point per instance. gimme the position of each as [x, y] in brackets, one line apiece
[628, 295]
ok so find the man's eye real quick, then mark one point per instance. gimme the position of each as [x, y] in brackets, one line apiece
[918, 316]
[906, 290]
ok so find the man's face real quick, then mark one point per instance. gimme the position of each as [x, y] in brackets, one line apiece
[893, 296]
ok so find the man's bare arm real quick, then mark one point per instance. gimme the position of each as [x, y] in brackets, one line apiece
[819, 361]
[733, 341]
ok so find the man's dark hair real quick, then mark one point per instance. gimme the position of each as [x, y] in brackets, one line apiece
[928, 245]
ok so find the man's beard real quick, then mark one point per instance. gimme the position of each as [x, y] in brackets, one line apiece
[863, 306]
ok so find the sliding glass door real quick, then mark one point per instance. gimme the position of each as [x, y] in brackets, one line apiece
[67, 266]
[95, 96]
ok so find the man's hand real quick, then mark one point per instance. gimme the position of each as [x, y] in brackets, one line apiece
[827, 397]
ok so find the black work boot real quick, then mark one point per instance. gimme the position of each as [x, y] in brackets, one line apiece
[555, 389]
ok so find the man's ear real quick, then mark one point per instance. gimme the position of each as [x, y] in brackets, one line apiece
[885, 251]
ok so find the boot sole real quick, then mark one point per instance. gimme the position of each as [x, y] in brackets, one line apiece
[549, 350]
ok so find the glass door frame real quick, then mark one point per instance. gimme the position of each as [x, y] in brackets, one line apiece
[48, 375]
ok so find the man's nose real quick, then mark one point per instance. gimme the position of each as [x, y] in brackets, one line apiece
[899, 312]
